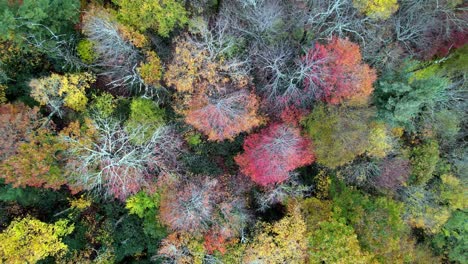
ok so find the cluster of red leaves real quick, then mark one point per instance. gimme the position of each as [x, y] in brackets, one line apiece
[216, 240]
[292, 115]
[338, 73]
[272, 153]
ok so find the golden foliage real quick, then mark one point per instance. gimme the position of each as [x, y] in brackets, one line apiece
[379, 141]
[3, 98]
[151, 70]
[282, 242]
[377, 9]
[29, 240]
[322, 185]
[81, 203]
[69, 90]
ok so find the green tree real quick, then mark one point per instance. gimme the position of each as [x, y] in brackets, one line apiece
[161, 16]
[451, 240]
[29, 240]
[37, 20]
[103, 104]
[383, 232]
[423, 210]
[85, 51]
[378, 223]
[446, 124]
[147, 207]
[424, 159]
[402, 96]
[316, 211]
[146, 113]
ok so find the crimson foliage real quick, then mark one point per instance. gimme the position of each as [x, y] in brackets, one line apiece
[272, 153]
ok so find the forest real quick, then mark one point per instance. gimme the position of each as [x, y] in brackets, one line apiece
[233, 131]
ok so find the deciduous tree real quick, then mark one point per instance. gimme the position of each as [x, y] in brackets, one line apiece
[429, 208]
[67, 90]
[282, 242]
[144, 112]
[339, 133]
[272, 153]
[17, 123]
[37, 162]
[339, 74]
[30, 240]
[451, 240]
[377, 9]
[394, 172]
[162, 16]
[224, 116]
[424, 160]
[106, 156]
[212, 97]
[202, 208]
[336, 242]
[116, 49]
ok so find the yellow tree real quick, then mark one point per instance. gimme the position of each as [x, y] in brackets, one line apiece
[151, 70]
[29, 240]
[377, 9]
[67, 90]
[283, 242]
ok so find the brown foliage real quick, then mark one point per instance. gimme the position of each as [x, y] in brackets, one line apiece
[17, 122]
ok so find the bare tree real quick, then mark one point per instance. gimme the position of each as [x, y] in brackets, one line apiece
[278, 193]
[118, 57]
[336, 18]
[218, 41]
[57, 46]
[191, 207]
[113, 162]
[419, 24]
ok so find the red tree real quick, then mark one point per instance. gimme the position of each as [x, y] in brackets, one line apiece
[337, 73]
[443, 45]
[270, 155]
